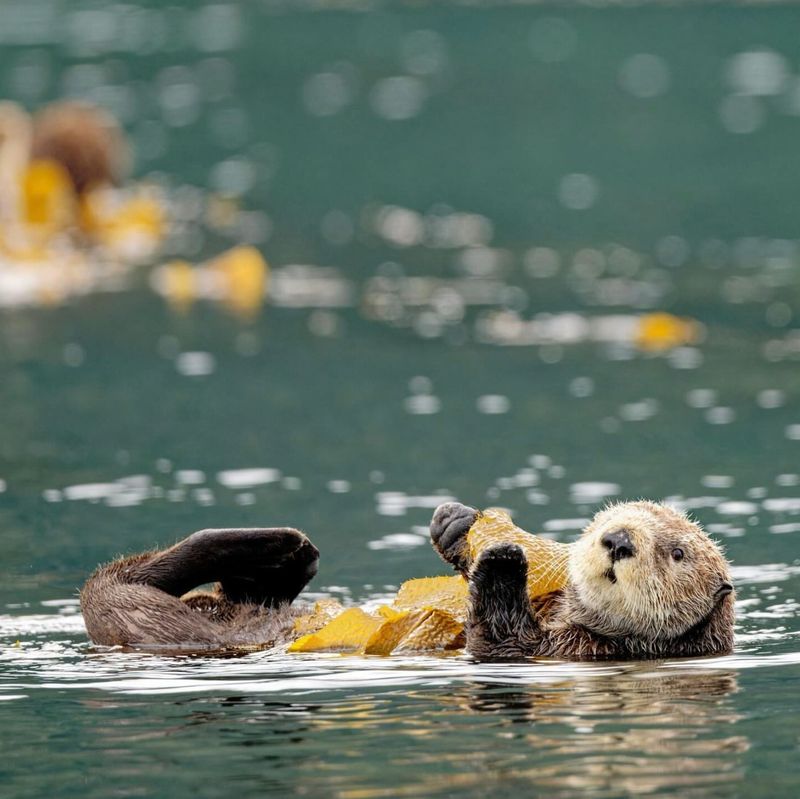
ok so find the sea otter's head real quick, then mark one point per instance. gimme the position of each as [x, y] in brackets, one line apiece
[85, 140]
[643, 569]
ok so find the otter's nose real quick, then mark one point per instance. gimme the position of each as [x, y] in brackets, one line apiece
[618, 544]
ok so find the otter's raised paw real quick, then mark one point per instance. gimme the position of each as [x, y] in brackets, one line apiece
[449, 527]
[500, 618]
[501, 570]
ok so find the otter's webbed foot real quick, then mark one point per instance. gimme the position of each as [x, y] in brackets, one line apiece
[501, 622]
[267, 571]
[268, 566]
[449, 527]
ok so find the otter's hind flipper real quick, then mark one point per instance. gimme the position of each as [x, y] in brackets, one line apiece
[501, 622]
[266, 566]
[136, 600]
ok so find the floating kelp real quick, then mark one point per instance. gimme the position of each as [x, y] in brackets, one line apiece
[428, 614]
[68, 223]
[655, 332]
[547, 560]
[238, 278]
[62, 188]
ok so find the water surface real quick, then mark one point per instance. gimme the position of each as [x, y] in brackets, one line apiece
[494, 195]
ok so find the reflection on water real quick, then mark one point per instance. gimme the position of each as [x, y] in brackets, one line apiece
[414, 724]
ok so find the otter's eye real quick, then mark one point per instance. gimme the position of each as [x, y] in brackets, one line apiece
[677, 554]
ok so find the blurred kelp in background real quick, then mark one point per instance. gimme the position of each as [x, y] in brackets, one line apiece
[441, 213]
[522, 159]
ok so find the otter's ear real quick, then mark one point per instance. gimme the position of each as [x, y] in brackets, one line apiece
[724, 589]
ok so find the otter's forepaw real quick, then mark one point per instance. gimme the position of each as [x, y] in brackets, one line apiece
[449, 527]
[500, 617]
[501, 569]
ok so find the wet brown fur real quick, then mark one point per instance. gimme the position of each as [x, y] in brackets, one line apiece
[645, 606]
[146, 600]
[654, 607]
[85, 140]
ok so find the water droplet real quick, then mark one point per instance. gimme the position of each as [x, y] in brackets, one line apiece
[644, 75]
[578, 191]
[398, 98]
[581, 387]
[217, 27]
[542, 262]
[74, 354]
[757, 72]
[493, 404]
[741, 113]
[195, 364]
[327, 93]
[793, 432]
[423, 52]
[422, 404]
[771, 398]
[248, 478]
[720, 415]
[701, 397]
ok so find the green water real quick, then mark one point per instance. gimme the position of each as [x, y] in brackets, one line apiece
[362, 413]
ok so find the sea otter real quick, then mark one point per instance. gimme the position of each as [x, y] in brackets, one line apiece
[85, 140]
[142, 600]
[643, 582]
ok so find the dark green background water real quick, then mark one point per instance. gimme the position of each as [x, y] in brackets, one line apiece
[690, 158]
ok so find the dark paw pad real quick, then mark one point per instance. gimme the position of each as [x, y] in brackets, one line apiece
[504, 563]
[449, 527]
[500, 612]
[275, 581]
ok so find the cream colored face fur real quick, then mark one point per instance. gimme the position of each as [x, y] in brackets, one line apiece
[655, 593]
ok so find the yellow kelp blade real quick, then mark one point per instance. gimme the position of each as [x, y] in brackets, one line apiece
[348, 632]
[428, 614]
[325, 611]
[547, 560]
[395, 625]
[660, 331]
[414, 631]
[437, 630]
[388, 631]
[448, 594]
[130, 225]
[48, 200]
[243, 275]
[178, 281]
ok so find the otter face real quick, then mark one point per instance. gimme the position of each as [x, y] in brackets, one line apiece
[644, 569]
